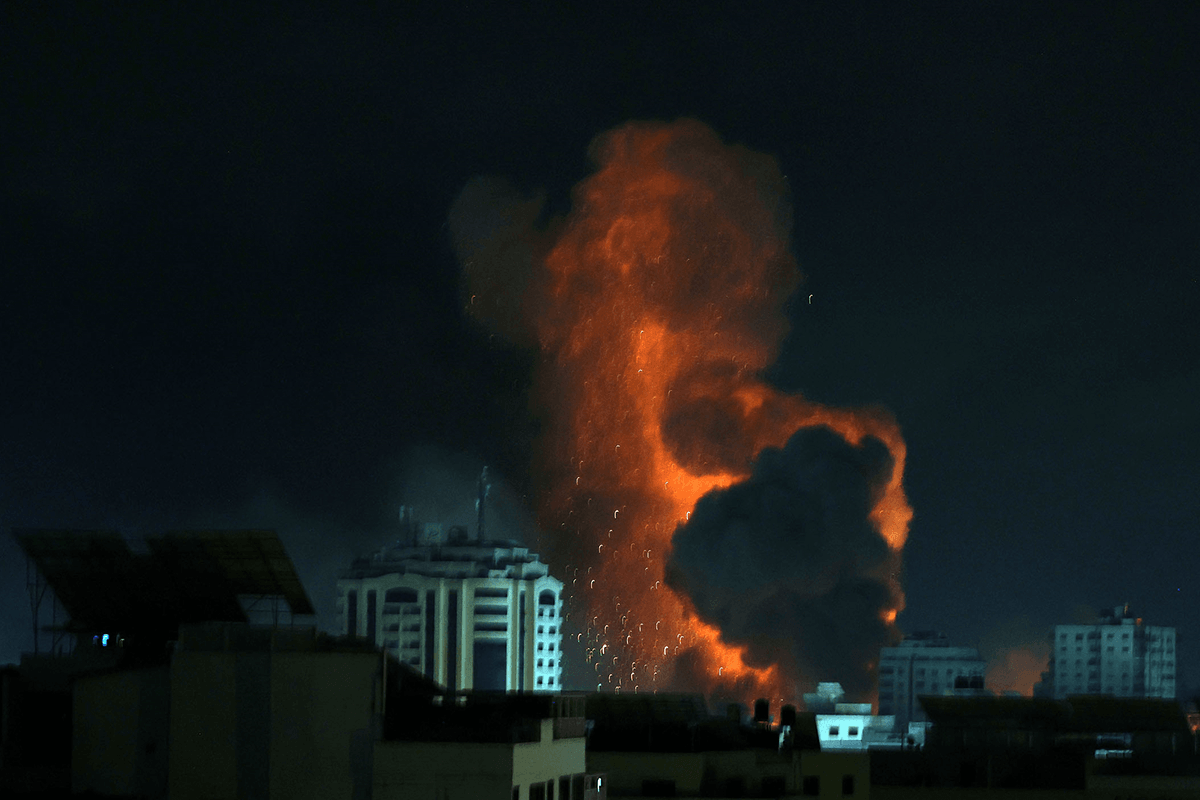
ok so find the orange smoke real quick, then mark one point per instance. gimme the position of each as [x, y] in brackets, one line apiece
[665, 290]
[1018, 669]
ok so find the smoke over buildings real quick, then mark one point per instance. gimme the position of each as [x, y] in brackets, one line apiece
[788, 563]
[655, 307]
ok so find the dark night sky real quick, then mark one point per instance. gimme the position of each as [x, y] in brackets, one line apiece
[228, 295]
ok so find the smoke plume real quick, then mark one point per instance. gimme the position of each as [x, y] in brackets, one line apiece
[787, 562]
[656, 305]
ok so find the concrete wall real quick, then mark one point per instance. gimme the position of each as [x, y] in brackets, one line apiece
[282, 725]
[832, 768]
[626, 771]
[203, 726]
[547, 760]
[119, 733]
[321, 712]
[442, 771]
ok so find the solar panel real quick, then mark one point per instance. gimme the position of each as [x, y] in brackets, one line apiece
[186, 576]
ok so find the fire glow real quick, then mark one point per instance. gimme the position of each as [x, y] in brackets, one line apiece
[656, 308]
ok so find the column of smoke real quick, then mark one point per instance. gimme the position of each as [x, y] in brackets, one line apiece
[656, 305]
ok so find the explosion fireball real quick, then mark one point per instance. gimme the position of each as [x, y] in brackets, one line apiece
[656, 305]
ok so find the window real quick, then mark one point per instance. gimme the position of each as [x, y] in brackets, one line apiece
[537, 791]
[847, 785]
[1079, 637]
[811, 785]
[854, 730]
[833, 730]
[400, 596]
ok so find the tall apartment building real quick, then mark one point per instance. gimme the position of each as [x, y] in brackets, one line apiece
[471, 614]
[1117, 656]
[924, 664]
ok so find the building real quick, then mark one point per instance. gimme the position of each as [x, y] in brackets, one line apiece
[667, 745]
[470, 614]
[523, 746]
[924, 664]
[251, 711]
[1117, 656]
[1080, 743]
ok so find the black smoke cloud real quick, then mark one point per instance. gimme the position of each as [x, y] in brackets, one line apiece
[788, 563]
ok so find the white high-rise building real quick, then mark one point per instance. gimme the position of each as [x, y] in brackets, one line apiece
[925, 664]
[471, 615]
[1117, 656]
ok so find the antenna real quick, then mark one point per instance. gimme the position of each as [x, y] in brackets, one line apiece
[481, 503]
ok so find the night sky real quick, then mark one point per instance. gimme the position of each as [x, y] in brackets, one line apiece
[228, 296]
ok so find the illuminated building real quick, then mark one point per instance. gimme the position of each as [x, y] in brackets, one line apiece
[1117, 656]
[470, 614]
[924, 664]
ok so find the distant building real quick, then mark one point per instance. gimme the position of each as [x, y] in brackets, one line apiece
[469, 614]
[925, 664]
[1117, 656]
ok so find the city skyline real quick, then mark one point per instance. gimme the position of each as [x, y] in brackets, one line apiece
[233, 299]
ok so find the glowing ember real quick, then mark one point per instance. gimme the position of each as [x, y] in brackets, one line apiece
[656, 309]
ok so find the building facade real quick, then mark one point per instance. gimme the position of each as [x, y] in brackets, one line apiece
[1117, 656]
[469, 614]
[924, 664]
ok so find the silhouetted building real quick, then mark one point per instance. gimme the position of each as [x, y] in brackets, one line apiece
[1035, 742]
[924, 663]
[666, 745]
[124, 610]
[246, 711]
[471, 615]
[1117, 656]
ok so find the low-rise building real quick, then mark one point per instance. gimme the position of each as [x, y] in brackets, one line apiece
[668, 746]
